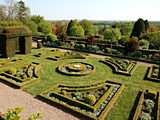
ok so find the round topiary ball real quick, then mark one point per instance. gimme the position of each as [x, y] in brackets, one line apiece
[91, 99]
[63, 92]
[145, 116]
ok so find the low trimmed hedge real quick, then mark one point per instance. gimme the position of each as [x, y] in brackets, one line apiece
[117, 68]
[147, 94]
[16, 81]
[66, 56]
[150, 74]
[111, 95]
[83, 88]
[16, 84]
[62, 67]
[112, 55]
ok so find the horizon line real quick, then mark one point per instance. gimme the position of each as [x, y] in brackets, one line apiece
[99, 20]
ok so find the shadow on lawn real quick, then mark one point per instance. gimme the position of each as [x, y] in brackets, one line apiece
[132, 112]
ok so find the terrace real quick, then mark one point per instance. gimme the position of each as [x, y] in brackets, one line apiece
[83, 96]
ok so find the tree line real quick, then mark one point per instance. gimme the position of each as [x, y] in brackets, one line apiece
[142, 33]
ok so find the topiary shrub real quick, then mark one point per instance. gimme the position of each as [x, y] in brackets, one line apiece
[145, 116]
[29, 71]
[36, 70]
[21, 74]
[77, 95]
[91, 99]
[63, 92]
[148, 105]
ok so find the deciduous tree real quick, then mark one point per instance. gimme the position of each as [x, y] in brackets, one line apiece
[132, 45]
[44, 27]
[88, 27]
[75, 29]
[112, 34]
[2, 12]
[10, 9]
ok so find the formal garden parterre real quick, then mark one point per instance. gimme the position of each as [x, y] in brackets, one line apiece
[67, 55]
[21, 76]
[97, 95]
[76, 68]
[154, 73]
[101, 70]
[147, 107]
[92, 101]
[120, 66]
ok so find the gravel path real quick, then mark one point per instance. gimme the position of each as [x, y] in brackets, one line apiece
[11, 98]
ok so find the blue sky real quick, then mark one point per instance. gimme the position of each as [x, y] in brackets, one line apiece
[95, 9]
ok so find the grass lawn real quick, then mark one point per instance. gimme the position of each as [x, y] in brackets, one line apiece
[50, 78]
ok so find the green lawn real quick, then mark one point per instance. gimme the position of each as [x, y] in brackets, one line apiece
[49, 78]
[123, 106]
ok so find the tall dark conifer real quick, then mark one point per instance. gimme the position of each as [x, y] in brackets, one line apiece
[69, 26]
[146, 25]
[139, 28]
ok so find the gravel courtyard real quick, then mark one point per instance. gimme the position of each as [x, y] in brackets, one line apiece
[11, 98]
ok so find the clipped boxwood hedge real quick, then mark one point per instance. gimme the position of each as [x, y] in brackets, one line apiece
[151, 75]
[117, 68]
[63, 69]
[93, 112]
[147, 95]
[17, 82]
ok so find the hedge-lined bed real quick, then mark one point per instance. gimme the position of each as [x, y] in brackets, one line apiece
[93, 102]
[49, 78]
[147, 107]
[120, 66]
[76, 69]
[153, 73]
[67, 55]
[22, 76]
[9, 62]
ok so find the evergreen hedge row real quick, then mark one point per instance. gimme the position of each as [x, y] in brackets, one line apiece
[150, 73]
[144, 95]
[68, 103]
[115, 67]
[16, 81]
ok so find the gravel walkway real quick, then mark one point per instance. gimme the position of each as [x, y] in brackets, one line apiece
[11, 98]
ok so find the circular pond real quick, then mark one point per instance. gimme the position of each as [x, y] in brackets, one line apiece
[76, 68]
